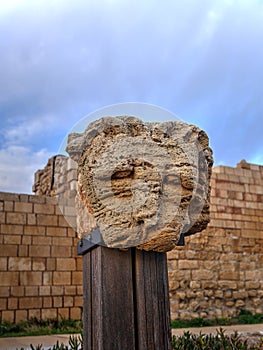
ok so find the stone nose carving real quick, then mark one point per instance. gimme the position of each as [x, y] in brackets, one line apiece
[145, 185]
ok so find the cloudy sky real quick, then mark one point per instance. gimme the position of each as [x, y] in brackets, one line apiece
[63, 59]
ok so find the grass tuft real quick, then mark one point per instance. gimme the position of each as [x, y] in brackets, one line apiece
[36, 327]
[244, 317]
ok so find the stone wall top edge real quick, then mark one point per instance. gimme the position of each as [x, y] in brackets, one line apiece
[27, 197]
[242, 169]
[9, 196]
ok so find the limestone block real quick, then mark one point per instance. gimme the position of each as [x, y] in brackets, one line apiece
[144, 185]
[46, 180]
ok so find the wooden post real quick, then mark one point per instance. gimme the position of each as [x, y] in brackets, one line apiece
[126, 300]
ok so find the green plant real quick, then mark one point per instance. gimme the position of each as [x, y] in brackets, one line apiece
[40, 327]
[187, 341]
[75, 343]
[38, 347]
[244, 317]
[220, 341]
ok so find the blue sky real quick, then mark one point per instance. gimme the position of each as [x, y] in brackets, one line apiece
[63, 59]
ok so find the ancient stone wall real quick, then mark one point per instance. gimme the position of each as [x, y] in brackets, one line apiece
[40, 274]
[58, 176]
[218, 271]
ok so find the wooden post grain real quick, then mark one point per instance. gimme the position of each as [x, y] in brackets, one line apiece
[126, 300]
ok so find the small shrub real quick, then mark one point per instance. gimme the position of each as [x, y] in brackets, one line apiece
[187, 341]
[75, 343]
[220, 341]
[244, 317]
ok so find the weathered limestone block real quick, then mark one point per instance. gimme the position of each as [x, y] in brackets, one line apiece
[45, 182]
[142, 184]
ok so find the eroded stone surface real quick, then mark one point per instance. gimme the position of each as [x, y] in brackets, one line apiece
[143, 184]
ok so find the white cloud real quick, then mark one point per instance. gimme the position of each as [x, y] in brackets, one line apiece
[9, 6]
[17, 167]
[258, 158]
[26, 130]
